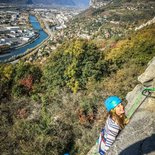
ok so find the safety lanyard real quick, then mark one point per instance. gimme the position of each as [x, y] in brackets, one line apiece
[146, 92]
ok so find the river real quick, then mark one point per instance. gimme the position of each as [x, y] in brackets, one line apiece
[16, 52]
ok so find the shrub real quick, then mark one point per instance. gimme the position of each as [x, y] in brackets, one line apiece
[6, 79]
[25, 77]
[73, 64]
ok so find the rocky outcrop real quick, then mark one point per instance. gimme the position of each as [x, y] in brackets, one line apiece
[98, 3]
[149, 74]
[138, 137]
[152, 21]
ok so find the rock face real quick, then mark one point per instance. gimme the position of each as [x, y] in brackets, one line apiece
[152, 21]
[138, 137]
[149, 73]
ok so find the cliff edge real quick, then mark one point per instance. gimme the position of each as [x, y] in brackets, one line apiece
[138, 137]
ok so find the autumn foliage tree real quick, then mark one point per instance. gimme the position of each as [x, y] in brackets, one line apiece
[26, 76]
[27, 82]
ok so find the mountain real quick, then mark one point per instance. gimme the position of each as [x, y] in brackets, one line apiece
[17, 1]
[100, 3]
[29, 2]
[81, 3]
[55, 2]
[47, 2]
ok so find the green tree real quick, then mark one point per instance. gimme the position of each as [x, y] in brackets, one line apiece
[6, 79]
[73, 64]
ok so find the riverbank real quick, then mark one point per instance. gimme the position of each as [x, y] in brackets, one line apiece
[29, 52]
[30, 41]
[20, 52]
[20, 45]
[34, 50]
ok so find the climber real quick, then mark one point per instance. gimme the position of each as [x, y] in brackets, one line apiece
[114, 123]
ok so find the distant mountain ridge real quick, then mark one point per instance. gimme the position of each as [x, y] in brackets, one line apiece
[49, 2]
[55, 2]
[82, 2]
[17, 1]
[100, 3]
[46, 2]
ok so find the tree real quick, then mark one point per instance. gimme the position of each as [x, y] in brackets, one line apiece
[6, 79]
[25, 77]
[73, 64]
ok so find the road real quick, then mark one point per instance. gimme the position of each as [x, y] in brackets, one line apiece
[47, 28]
[51, 35]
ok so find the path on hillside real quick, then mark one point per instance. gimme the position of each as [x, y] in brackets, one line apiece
[47, 28]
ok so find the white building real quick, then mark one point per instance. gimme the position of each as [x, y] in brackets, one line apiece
[13, 28]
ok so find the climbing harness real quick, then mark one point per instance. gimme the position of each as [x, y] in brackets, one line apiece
[103, 140]
[147, 93]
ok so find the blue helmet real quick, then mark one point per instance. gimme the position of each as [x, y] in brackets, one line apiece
[111, 102]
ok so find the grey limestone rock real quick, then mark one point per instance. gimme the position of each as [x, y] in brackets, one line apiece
[138, 137]
[149, 73]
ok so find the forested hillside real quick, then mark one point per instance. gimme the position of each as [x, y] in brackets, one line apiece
[108, 23]
[57, 107]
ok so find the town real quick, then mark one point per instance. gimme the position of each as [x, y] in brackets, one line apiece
[66, 23]
[16, 29]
